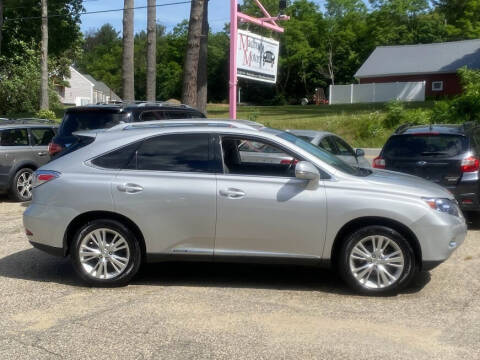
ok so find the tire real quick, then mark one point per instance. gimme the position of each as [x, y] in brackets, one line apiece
[109, 263]
[21, 187]
[377, 272]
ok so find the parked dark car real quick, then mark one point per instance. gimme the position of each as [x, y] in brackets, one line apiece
[23, 149]
[445, 154]
[103, 116]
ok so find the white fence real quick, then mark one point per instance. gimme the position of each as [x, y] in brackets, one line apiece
[377, 92]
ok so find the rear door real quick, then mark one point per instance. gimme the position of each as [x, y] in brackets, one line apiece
[40, 137]
[15, 150]
[432, 156]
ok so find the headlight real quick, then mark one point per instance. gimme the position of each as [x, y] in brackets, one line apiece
[443, 205]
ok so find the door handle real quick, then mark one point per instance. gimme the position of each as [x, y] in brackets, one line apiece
[42, 153]
[232, 193]
[130, 188]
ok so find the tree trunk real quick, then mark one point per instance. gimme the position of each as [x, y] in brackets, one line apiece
[127, 58]
[44, 59]
[190, 69]
[1, 24]
[202, 75]
[151, 50]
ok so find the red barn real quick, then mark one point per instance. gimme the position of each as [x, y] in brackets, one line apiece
[436, 64]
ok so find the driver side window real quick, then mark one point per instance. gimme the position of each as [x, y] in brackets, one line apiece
[244, 156]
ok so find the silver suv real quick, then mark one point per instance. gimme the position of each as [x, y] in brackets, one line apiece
[186, 192]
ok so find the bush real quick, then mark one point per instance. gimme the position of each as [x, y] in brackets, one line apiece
[442, 113]
[46, 114]
[395, 114]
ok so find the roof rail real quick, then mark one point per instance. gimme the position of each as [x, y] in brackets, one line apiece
[30, 120]
[402, 127]
[160, 103]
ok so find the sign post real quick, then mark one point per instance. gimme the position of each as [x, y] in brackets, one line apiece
[263, 50]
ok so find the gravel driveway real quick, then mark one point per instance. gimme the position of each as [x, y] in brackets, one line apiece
[230, 311]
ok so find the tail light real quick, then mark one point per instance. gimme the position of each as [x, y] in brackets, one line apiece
[470, 164]
[54, 148]
[44, 176]
[379, 163]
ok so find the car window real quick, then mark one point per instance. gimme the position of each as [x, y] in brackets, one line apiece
[342, 146]
[174, 115]
[178, 152]
[245, 156]
[41, 136]
[14, 137]
[117, 159]
[152, 115]
[326, 144]
[421, 145]
[89, 120]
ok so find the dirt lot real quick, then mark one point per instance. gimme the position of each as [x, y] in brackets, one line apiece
[230, 311]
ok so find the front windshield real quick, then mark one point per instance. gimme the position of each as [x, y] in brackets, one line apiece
[323, 155]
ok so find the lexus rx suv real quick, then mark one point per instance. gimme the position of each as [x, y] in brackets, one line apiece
[448, 155]
[103, 116]
[186, 192]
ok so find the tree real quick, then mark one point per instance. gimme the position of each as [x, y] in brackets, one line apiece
[44, 59]
[462, 18]
[1, 24]
[128, 52]
[151, 50]
[202, 76]
[190, 68]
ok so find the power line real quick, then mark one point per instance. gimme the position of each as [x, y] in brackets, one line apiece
[101, 11]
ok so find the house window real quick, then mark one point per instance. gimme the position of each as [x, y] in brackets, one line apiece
[437, 85]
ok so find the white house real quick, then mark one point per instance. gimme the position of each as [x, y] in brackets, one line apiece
[84, 90]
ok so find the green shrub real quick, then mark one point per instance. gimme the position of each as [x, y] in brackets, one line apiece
[395, 114]
[442, 113]
[45, 114]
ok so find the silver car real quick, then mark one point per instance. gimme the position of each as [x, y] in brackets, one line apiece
[156, 194]
[335, 145]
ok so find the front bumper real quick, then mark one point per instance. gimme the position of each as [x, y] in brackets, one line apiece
[439, 235]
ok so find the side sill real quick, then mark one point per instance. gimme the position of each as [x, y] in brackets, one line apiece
[155, 257]
[52, 250]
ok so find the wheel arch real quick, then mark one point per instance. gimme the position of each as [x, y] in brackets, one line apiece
[85, 218]
[22, 165]
[358, 223]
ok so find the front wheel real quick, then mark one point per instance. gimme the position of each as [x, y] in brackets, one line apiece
[377, 260]
[106, 253]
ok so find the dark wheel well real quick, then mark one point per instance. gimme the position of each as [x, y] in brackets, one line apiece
[356, 224]
[83, 219]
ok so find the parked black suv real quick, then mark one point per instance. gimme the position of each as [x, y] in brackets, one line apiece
[445, 154]
[104, 116]
[23, 149]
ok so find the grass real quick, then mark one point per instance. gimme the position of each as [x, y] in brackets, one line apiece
[359, 124]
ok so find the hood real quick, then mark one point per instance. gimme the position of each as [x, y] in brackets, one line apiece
[392, 181]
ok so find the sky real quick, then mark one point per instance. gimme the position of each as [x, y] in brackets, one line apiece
[218, 11]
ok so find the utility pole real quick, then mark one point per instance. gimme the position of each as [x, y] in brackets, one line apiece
[128, 52]
[151, 50]
[44, 59]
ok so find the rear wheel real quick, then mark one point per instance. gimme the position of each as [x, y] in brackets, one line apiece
[21, 189]
[377, 260]
[106, 253]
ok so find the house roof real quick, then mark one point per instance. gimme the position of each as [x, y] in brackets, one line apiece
[445, 57]
[102, 87]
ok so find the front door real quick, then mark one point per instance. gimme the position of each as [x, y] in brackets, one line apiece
[168, 189]
[263, 210]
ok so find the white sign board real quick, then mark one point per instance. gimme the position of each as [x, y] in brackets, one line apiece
[257, 57]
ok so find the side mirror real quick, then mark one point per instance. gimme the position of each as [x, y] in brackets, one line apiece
[359, 152]
[306, 171]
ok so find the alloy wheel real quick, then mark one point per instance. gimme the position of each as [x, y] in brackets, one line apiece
[24, 184]
[376, 262]
[104, 254]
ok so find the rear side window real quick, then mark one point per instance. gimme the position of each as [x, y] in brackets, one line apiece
[89, 120]
[435, 145]
[41, 136]
[14, 137]
[179, 152]
[117, 159]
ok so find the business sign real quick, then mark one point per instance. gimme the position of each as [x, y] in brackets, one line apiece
[257, 57]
